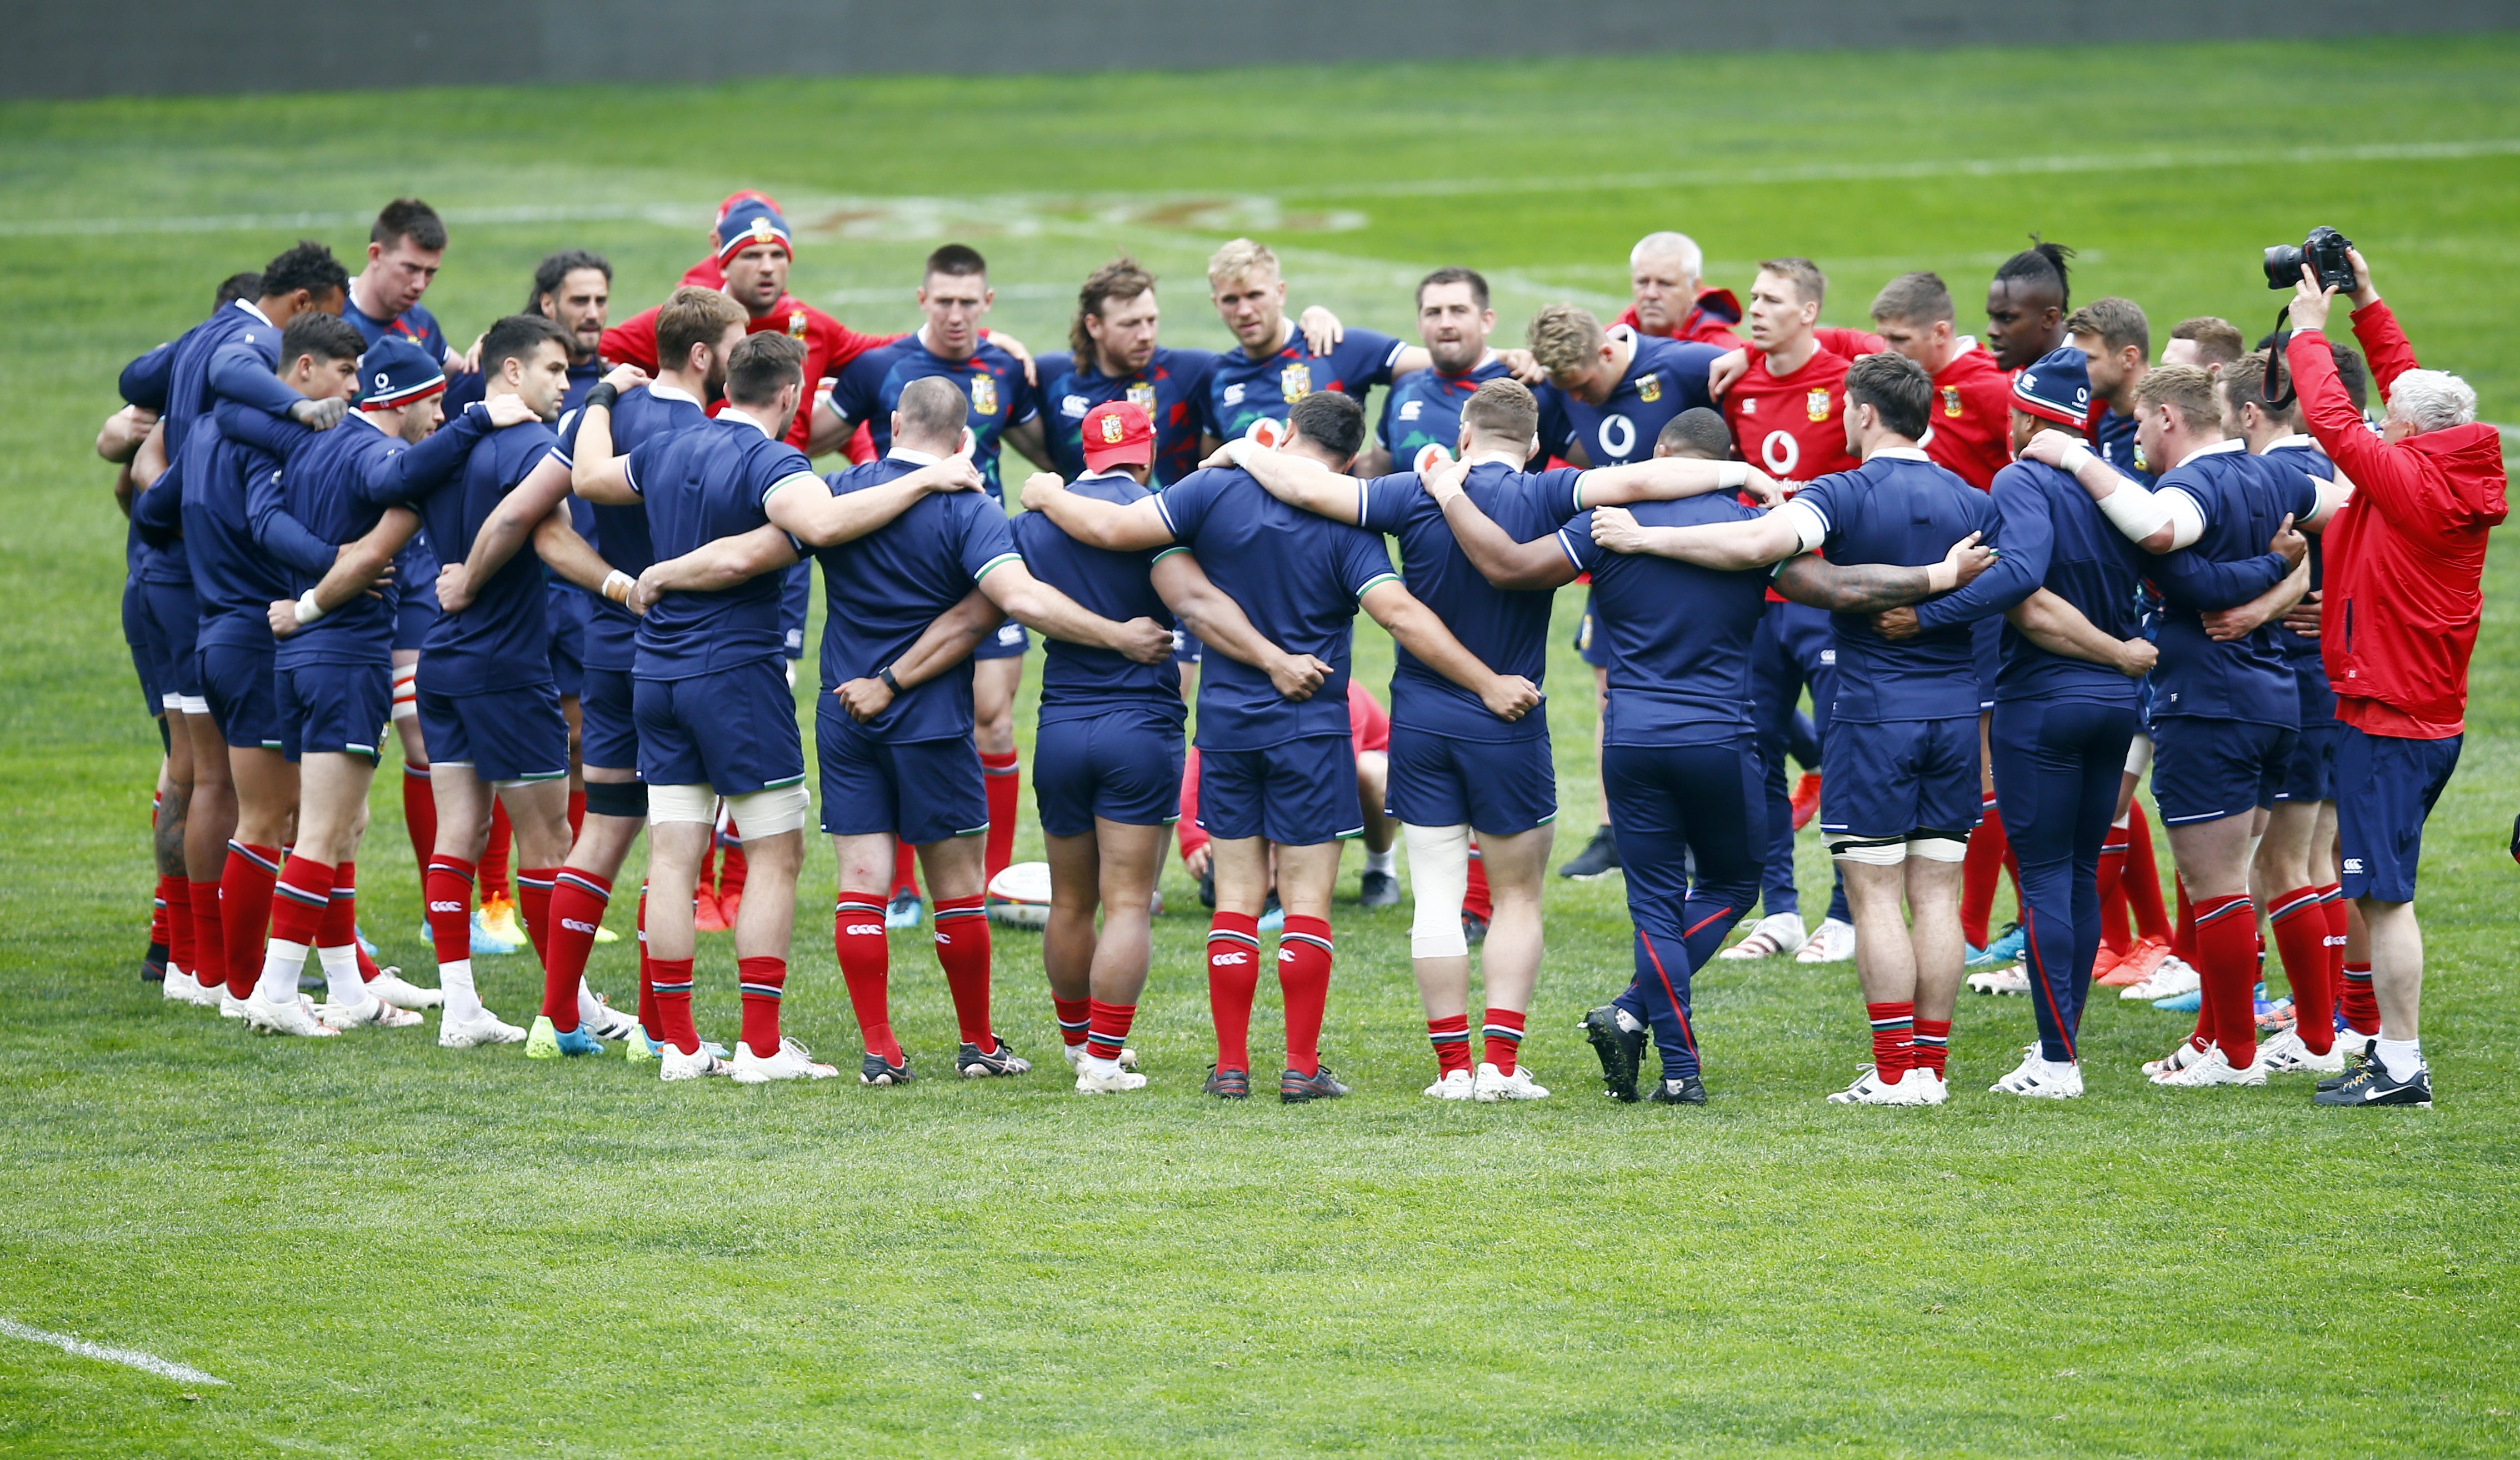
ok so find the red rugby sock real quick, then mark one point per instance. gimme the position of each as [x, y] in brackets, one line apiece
[1980, 870]
[2226, 937]
[1005, 793]
[492, 870]
[905, 870]
[1476, 902]
[420, 815]
[963, 948]
[1075, 1020]
[648, 1024]
[1932, 1046]
[533, 905]
[449, 896]
[210, 935]
[577, 902]
[2115, 935]
[1894, 1034]
[673, 982]
[1110, 1028]
[1504, 1038]
[2142, 881]
[761, 982]
[866, 964]
[1451, 1036]
[2301, 938]
[1304, 955]
[1233, 983]
[179, 924]
[245, 910]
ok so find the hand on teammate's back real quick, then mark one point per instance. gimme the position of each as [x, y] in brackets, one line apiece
[320, 415]
[1511, 697]
[1968, 559]
[864, 699]
[2137, 657]
[1294, 676]
[455, 589]
[1040, 486]
[625, 378]
[1764, 489]
[1615, 528]
[2289, 542]
[1728, 368]
[1897, 624]
[1146, 641]
[2303, 618]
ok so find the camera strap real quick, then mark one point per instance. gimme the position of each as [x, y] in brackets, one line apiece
[2275, 365]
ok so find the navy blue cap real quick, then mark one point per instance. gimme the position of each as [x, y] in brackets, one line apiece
[396, 371]
[750, 223]
[2056, 386]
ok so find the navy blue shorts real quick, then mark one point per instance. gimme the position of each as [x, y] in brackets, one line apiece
[2385, 787]
[565, 611]
[1495, 787]
[1298, 793]
[1123, 766]
[607, 734]
[1008, 642]
[245, 703]
[921, 790]
[174, 619]
[334, 710]
[504, 735]
[415, 613]
[733, 730]
[1900, 776]
[142, 636]
[1589, 642]
[2311, 775]
[1986, 646]
[2206, 769]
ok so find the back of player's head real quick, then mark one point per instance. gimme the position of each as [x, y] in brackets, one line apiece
[1695, 432]
[234, 287]
[1454, 274]
[2115, 322]
[2218, 340]
[956, 262]
[555, 269]
[409, 218]
[1897, 388]
[1331, 421]
[515, 338]
[1669, 245]
[692, 315]
[326, 337]
[1503, 408]
[2187, 389]
[2351, 374]
[307, 265]
[1810, 286]
[932, 409]
[1919, 299]
[1564, 337]
[1115, 283]
[2039, 269]
[1240, 258]
[763, 365]
[2242, 382]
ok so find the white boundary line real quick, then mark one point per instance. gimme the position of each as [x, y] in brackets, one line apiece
[130, 1357]
[1085, 206]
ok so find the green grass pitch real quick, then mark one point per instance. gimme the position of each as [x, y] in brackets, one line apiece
[385, 1249]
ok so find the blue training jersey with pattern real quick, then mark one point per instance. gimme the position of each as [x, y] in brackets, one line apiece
[1424, 408]
[1082, 680]
[1900, 509]
[991, 379]
[712, 480]
[1168, 390]
[1678, 634]
[1297, 578]
[1506, 628]
[1243, 392]
[640, 416]
[1665, 377]
[882, 591]
[416, 323]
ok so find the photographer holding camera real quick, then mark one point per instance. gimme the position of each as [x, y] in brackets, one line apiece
[2404, 563]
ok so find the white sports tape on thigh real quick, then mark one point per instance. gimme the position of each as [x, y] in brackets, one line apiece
[1939, 848]
[2139, 754]
[1439, 875]
[1869, 853]
[406, 692]
[682, 803]
[770, 813]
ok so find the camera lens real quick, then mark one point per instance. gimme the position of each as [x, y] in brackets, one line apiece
[2283, 266]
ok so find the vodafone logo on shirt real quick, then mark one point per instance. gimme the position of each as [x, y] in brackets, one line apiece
[1780, 452]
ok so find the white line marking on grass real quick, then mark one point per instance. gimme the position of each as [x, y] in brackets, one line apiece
[130, 1357]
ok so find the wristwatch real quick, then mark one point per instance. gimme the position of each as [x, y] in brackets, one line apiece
[890, 683]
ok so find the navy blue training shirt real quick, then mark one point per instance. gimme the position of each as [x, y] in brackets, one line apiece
[235, 578]
[2302, 452]
[2241, 498]
[320, 486]
[992, 380]
[1678, 634]
[882, 591]
[1243, 392]
[415, 325]
[1508, 628]
[1082, 680]
[1297, 578]
[709, 482]
[1169, 390]
[502, 640]
[640, 416]
[1424, 408]
[1665, 377]
[1897, 508]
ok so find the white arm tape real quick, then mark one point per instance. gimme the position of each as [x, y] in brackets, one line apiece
[1240, 451]
[2186, 522]
[307, 609]
[2134, 512]
[1809, 531]
[618, 585]
[1733, 476]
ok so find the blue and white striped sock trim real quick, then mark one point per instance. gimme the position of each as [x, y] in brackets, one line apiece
[1455, 1036]
[2307, 900]
[1232, 936]
[302, 896]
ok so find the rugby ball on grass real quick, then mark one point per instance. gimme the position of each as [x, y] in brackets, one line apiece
[1019, 897]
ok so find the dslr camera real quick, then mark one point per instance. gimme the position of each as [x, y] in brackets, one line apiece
[2323, 251]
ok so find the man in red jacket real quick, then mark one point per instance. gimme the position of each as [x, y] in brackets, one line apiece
[1667, 297]
[2405, 558]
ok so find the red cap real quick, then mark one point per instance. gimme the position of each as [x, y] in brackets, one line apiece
[1117, 433]
[746, 195]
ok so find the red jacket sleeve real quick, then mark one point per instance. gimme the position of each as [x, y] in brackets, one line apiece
[1849, 342]
[2395, 479]
[2384, 345]
[633, 342]
[841, 344]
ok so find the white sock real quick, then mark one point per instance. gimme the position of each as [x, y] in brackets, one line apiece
[281, 962]
[1627, 1021]
[341, 979]
[1102, 1068]
[590, 1009]
[1385, 860]
[2402, 1058]
[462, 1005]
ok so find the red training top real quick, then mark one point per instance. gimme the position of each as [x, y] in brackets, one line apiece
[830, 346]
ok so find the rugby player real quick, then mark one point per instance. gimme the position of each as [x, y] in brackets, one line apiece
[909, 769]
[2026, 303]
[1110, 748]
[2225, 715]
[334, 671]
[2206, 341]
[955, 295]
[696, 331]
[2406, 558]
[1252, 388]
[1667, 297]
[1423, 409]
[129, 435]
[2062, 720]
[1788, 414]
[233, 355]
[1276, 773]
[406, 246]
[1456, 767]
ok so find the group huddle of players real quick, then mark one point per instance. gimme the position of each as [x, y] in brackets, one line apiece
[570, 565]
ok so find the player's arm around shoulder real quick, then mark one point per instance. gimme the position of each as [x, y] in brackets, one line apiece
[1507, 696]
[1120, 527]
[805, 506]
[1219, 622]
[1043, 608]
[1506, 563]
[1772, 536]
[1295, 481]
